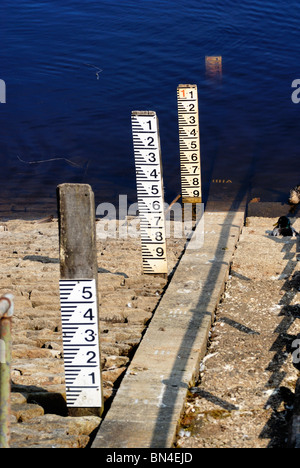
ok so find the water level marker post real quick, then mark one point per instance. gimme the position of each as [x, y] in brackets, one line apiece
[189, 144]
[150, 191]
[79, 299]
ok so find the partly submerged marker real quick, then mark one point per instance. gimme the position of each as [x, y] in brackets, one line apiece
[189, 143]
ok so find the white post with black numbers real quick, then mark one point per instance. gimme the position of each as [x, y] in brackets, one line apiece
[189, 143]
[149, 179]
[79, 314]
[79, 300]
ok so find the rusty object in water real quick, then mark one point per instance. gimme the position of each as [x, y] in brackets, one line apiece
[213, 67]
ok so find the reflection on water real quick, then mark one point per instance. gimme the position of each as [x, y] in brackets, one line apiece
[74, 72]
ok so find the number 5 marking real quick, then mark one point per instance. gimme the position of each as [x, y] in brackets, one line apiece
[86, 294]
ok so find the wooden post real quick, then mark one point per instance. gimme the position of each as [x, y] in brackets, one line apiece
[79, 299]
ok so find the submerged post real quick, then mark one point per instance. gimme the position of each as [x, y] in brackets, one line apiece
[189, 142]
[6, 312]
[79, 299]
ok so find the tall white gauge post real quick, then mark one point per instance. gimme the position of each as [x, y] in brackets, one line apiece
[189, 143]
[150, 191]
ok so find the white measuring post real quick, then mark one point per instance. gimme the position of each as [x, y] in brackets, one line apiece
[189, 143]
[79, 299]
[81, 343]
[150, 191]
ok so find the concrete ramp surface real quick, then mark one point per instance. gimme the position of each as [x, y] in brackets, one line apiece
[150, 400]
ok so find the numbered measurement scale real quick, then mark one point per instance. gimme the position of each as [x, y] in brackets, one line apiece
[79, 312]
[150, 196]
[189, 142]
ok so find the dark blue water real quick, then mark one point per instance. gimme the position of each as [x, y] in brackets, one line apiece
[59, 105]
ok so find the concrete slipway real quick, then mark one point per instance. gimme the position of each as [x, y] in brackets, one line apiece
[150, 400]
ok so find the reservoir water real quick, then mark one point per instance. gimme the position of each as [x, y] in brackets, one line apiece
[74, 71]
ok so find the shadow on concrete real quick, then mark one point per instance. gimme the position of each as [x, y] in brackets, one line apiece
[46, 259]
[242, 328]
[41, 259]
[51, 402]
[214, 399]
[277, 427]
[160, 434]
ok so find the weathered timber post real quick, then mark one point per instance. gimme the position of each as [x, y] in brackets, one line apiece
[6, 312]
[79, 299]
